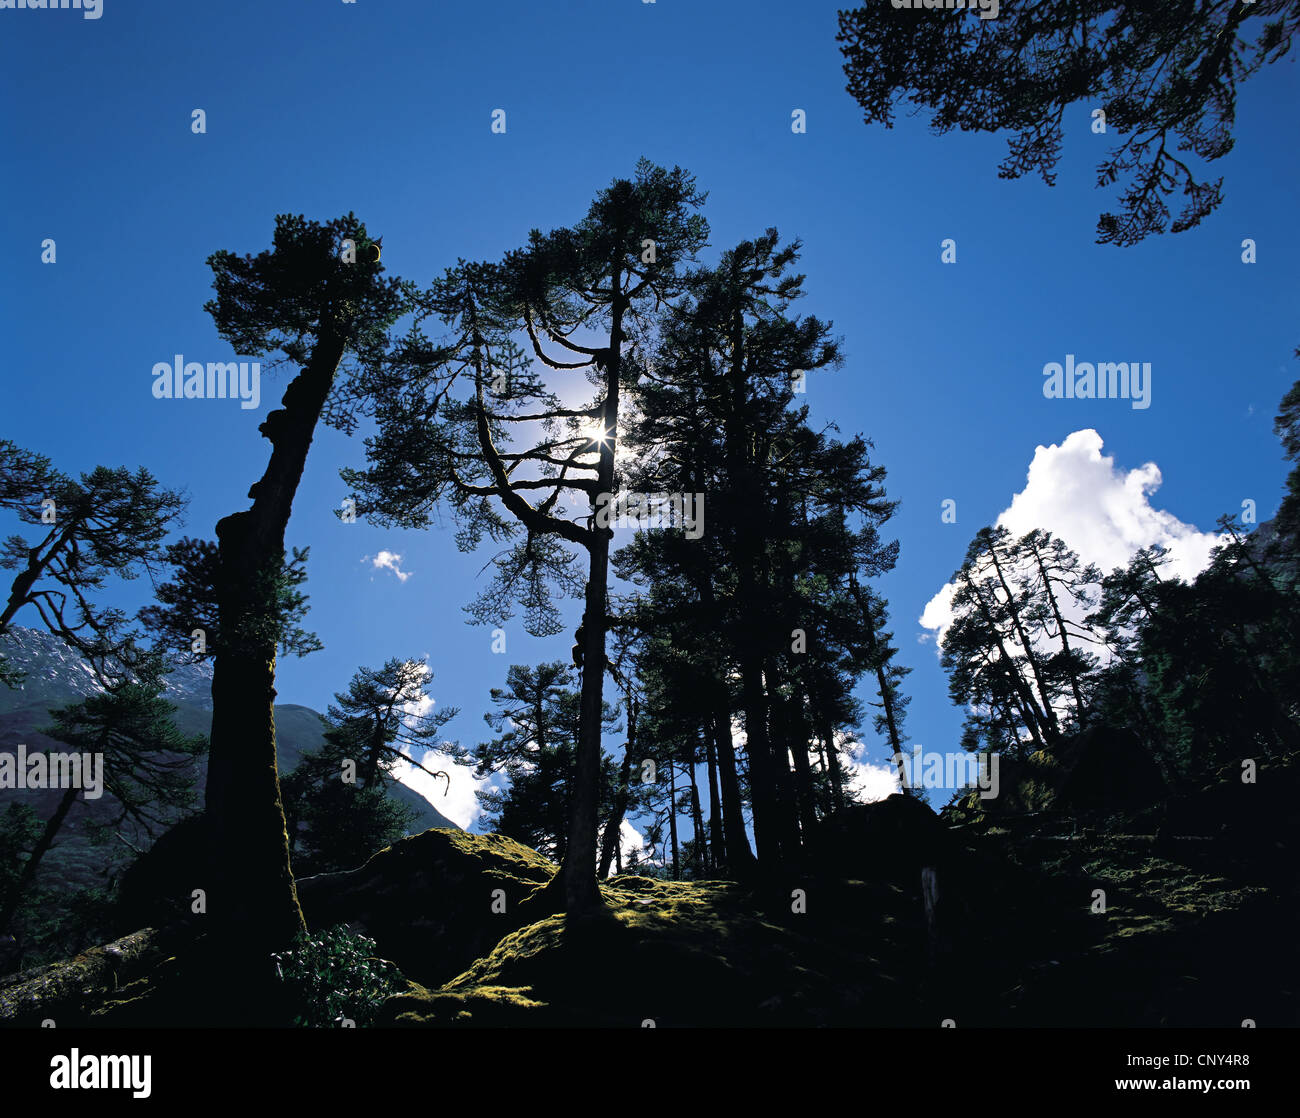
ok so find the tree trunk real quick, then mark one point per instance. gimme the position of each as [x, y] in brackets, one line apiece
[882, 680]
[252, 899]
[22, 586]
[750, 513]
[783, 781]
[1065, 640]
[609, 848]
[740, 858]
[578, 869]
[718, 855]
[759, 750]
[1032, 716]
[1048, 713]
[731, 843]
[581, 891]
[832, 760]
[672, 821]
[374, 753]
[799, 741]
[700, 847]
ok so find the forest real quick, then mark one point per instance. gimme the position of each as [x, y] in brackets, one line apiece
[612, 416]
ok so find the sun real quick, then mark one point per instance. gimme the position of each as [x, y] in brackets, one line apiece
[597, 433]
[598, 437]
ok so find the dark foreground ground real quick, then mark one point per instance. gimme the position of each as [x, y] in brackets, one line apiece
[1200, 922]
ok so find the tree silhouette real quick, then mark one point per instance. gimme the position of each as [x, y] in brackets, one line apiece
[335, 823]
[1166, 74]
[307, 300]
[538, 718]
[383, 714]
[752, 618]
[451, 416]
[148, 764]
[111, 522]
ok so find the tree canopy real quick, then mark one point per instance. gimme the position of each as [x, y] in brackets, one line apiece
[1165, 75]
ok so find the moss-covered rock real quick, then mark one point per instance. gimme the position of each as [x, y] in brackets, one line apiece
[433, 902]
[681, 954]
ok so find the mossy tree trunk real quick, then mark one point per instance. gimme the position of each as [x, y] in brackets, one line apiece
[253, 901]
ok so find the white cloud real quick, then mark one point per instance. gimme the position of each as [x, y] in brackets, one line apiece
[629, 839]
[1102, 512]
[455, 800]
[420, 707]
[868, 782]
[389, 560]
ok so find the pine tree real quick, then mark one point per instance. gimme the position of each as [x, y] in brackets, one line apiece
[450, 416]
[315, 303]
[386, 713]
[335, 823]
[1057, 578]
[538, 718]
[717, 416]
[111, 522]
[1165, 75]
[993, 669]
[148, 764]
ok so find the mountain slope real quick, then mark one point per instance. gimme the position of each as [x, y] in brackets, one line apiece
[57, 676]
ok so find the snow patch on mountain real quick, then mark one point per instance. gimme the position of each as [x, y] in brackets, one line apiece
[49, 664]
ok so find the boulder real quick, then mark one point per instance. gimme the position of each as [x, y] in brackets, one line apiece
[891, 839]
[156, 889]
[1108, 770]
[427, 900]
[433, 902]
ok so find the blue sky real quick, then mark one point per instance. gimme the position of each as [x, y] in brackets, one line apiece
[384, 108]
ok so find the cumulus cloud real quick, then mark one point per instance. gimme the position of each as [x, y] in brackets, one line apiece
[866, 780]
[457, 800]
[1102, 512]
[389, 560]
[629, 839]
[419, 708]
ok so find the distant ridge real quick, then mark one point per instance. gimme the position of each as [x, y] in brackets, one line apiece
[55, 676]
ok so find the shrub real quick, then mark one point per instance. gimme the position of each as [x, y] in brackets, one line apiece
[335, 975]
